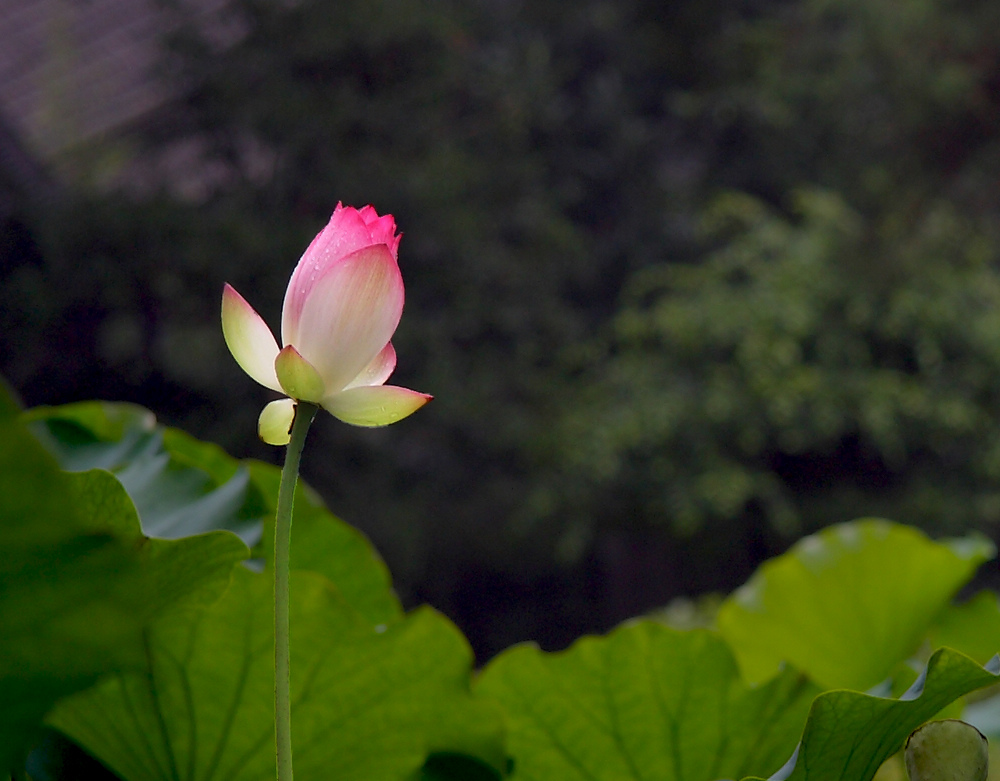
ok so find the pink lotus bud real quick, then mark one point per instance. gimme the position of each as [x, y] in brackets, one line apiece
[342, 306]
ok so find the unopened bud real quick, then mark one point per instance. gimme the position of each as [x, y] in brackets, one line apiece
[948, 750]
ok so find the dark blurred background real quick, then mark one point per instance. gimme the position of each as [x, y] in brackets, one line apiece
[688, 280]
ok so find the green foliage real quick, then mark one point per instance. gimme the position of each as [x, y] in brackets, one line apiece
[646, 701]
[898, 102]
[849, 734]
[808, 368]
[870, 584]
[367, 704]
[828, 348]
[80, 580]
[973, 626]
[185, 659]
[846, 607]
[180, 486]
[375, 693]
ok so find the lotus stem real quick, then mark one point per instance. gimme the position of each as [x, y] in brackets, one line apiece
[304, 414]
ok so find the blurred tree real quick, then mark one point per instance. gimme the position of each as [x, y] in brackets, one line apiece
[883, 102]
[813, 367]
[867, 135]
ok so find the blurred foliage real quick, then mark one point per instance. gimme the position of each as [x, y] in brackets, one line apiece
[685, 281]
[812, 366]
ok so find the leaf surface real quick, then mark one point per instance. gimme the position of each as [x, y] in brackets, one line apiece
[849, 734]
[848, 604]
[972, 627]
[182, 487]
[645, 702]
[366, 704]
[79, 579]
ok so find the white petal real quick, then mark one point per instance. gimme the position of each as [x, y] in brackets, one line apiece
[377, 405]
[378, 371]
[249, 339]
[275, 423]
[349, 315]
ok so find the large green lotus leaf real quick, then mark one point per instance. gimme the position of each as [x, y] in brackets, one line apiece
[179, 485]
[322, 543]
[972, 627]
[849, 735]
[848, 604]
[192, 569]
[182, 486]
[366, 704]
[78, 579]
[646, 701]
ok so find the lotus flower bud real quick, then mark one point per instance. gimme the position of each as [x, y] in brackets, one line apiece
[341, 308]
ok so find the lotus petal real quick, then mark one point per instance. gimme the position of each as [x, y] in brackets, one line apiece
[275, 423]
[349, 315]
[249, 339]
[298, 378]
[377, 405]
[378, 371]
[345, 234]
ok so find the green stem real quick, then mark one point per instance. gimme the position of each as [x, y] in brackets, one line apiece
[304, 413]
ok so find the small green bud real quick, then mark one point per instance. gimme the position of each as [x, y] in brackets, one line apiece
[948, 750]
